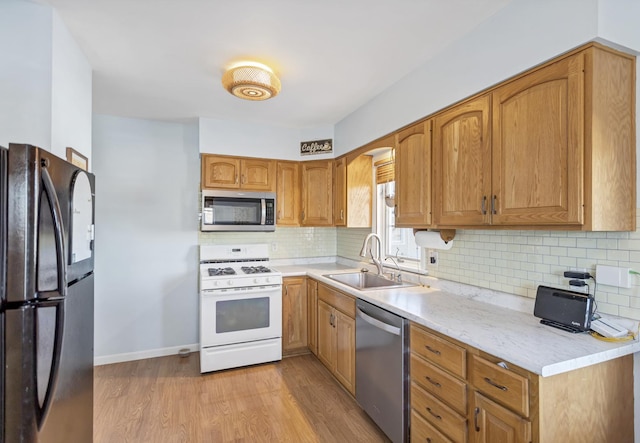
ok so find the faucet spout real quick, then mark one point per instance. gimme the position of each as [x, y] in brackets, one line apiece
[376, 259]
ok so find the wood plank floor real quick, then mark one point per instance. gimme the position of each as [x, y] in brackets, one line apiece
[167, 400]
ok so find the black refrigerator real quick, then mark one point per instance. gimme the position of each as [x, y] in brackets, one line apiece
[46, 291]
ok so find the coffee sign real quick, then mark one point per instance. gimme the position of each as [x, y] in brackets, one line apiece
[316, 147]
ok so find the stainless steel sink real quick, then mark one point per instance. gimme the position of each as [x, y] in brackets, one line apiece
[366, 280]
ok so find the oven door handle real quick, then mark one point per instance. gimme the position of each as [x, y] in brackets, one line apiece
[242, 291]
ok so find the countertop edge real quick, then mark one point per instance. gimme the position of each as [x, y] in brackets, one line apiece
[544, 370]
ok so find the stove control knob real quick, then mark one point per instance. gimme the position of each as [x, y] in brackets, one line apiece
[267, 280]
[216, 283]
[229, 282]
[256, 280]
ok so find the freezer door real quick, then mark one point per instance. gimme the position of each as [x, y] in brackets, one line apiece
[50, 369]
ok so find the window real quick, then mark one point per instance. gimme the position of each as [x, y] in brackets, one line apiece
[396, 242]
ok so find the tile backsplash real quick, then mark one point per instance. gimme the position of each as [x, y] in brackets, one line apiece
[283, 243]
[514, 262]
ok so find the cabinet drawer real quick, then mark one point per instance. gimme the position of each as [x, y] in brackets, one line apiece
[422, 431]
[445, 419]
[441, 352]
[338, 300]
[436, 381]
[502, 385]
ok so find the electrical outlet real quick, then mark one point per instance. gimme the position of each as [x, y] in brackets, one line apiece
[433, 258]
[613, 276]
[274, 247]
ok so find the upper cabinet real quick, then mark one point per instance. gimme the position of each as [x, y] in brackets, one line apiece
[238, 173]
[288, 194]
[413, 176]
[538, 147]
[340, 192]
[353, 191]
[462, 163]
[552, 148]
[317, 193]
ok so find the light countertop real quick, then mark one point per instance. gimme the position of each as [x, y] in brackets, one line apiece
[512, 335]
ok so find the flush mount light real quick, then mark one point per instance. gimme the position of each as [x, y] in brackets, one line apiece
[251, 81]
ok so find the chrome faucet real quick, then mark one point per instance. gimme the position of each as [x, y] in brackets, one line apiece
[376, 260]
[397, 277]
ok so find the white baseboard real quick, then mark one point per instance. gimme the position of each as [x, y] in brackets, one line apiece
[151, 353]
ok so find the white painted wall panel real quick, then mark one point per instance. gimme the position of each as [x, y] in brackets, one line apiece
[25, 73]
[147, 182]
[70, 94]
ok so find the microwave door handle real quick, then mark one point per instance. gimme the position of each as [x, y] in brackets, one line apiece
[57, 228]
[264, 211]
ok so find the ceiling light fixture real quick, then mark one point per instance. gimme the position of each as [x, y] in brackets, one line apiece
[251, 81]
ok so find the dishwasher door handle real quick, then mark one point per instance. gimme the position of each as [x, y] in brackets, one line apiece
[377, 323]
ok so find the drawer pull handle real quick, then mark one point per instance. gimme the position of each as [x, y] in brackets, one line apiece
[475, 419]
[433, 413]
[433, 382]
[495, 385]
[429, 348]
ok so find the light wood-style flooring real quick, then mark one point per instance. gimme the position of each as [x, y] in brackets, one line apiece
[167, 400]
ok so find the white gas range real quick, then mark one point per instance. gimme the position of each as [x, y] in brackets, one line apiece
[240, 307]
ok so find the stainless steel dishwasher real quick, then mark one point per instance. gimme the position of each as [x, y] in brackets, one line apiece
[382, 368]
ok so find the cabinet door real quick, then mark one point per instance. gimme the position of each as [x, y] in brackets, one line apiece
[317, 193]
[359, 206]
[312, 315]
[413, 176]
[462, 164]
[538, 147]
[294, 314]
[493, 423]
[258, 175]
[345, 371]
[326, 336]
[340, 192]
[220, 172]
[288, 194]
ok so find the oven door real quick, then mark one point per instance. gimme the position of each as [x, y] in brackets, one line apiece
[240, 315]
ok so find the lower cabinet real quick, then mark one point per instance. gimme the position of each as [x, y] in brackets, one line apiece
[461, 394]
[294, 315]
[337, 335]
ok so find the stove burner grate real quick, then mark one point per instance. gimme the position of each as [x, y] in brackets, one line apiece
[221, 271]
[255, 269]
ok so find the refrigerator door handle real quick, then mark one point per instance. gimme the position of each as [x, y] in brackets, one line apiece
[43, 410]
[58, 228]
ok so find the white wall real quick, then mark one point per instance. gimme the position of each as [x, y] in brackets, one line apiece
[71, 98]
[147, 181]
[520, 35]
[45, 81]
[25, 73]
[258, 140]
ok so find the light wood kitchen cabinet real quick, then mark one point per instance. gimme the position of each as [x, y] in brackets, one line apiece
[353, 192]
[559, 150]
[459, 393]
[288, 193]
[340, 192]
[413, 176]
[317, 193]
[336, 335]
[462, 163]
[228, 172]
[312, 315]
[294, 315]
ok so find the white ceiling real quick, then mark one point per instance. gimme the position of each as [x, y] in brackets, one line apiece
[163, 59]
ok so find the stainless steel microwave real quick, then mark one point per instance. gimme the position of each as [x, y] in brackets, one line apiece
[238, 211]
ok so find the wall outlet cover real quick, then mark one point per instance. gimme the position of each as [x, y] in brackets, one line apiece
[613, 276]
